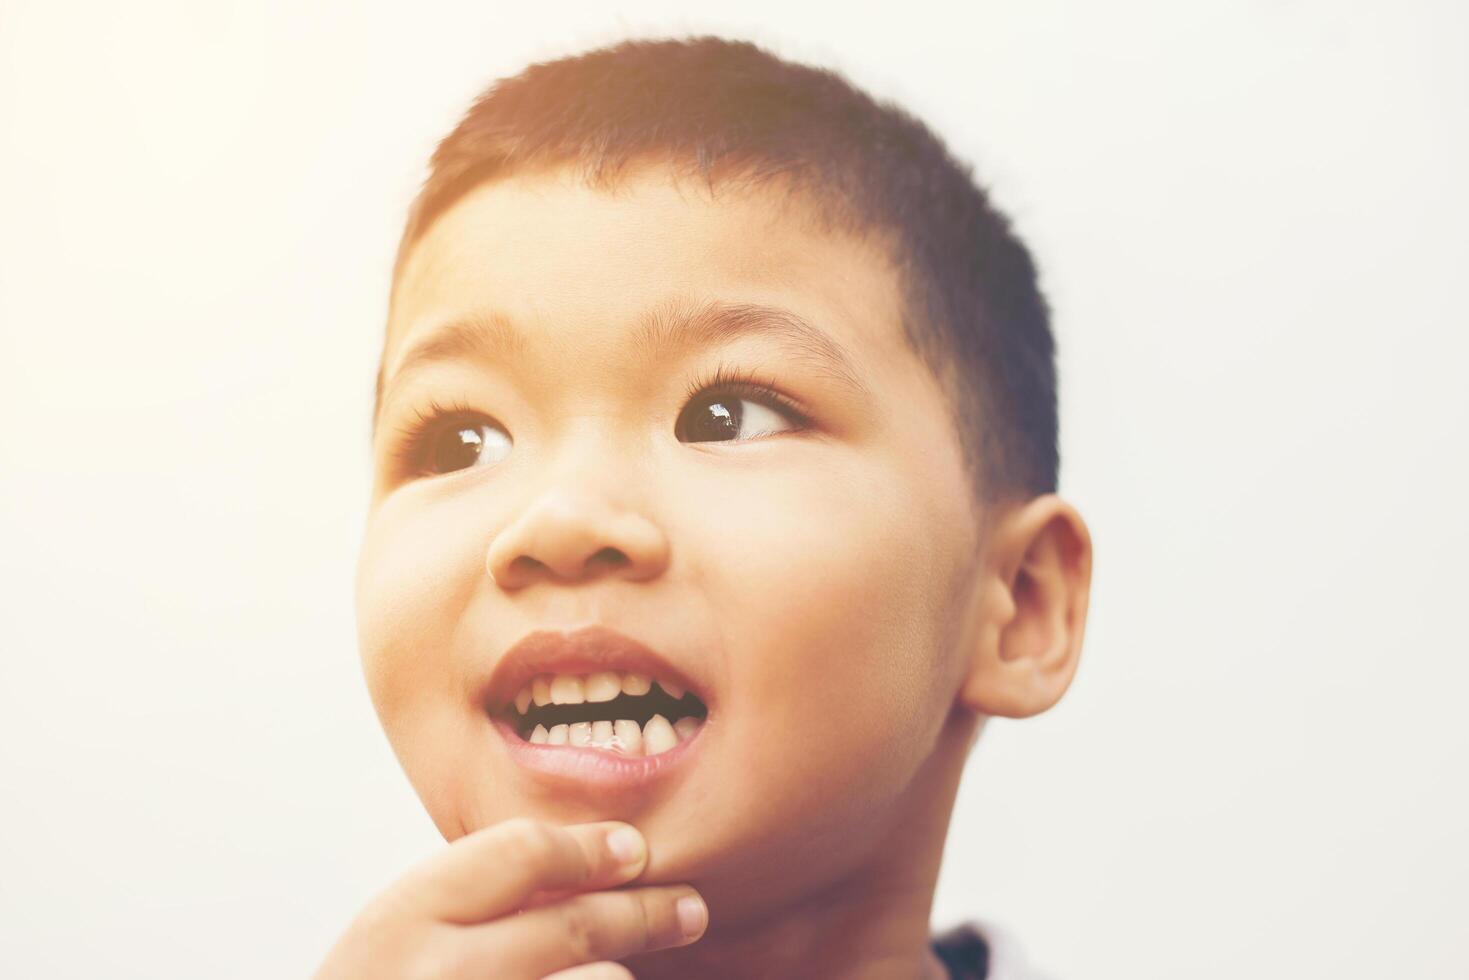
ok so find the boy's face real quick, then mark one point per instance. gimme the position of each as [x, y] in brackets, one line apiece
[814, 578]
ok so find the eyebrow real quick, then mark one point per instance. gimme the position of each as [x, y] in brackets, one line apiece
[666, 331]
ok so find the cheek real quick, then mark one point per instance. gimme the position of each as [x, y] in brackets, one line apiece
[419, 606]
[832, 602]
[414, 584]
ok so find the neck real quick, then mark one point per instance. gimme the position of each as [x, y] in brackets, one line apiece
[872, 923]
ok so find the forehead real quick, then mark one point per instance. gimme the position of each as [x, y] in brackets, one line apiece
[581, 267]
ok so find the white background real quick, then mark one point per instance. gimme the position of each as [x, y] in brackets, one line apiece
[1251, 218]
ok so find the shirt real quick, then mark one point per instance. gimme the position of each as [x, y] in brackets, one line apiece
[976, 950]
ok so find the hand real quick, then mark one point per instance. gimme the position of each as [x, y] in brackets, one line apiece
[524, 900]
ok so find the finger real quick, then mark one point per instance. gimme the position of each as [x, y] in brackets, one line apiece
[605, 970]
[493, 871]
[589, 927]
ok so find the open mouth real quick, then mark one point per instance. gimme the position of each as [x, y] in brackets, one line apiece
[615, 711]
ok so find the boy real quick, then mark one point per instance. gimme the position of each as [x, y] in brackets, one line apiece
[713, 514]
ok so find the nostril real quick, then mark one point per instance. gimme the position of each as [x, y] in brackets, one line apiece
[608, 556]
[524, 567]
[523, 570]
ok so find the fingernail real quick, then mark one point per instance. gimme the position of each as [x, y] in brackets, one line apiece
[692, 916]
[626, 845]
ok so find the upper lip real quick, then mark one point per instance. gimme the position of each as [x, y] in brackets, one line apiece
[579, 651]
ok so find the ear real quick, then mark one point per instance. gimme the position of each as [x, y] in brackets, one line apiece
[1036, 583]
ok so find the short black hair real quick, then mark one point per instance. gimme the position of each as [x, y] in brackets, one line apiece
[727, 110]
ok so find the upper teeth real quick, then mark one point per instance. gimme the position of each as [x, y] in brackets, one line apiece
[603, 685]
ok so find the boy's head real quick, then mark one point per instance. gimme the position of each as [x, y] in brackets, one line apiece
[714, 350]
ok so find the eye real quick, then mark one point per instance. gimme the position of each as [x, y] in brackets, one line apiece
[461, 446]
[735, 408]
[444, 440]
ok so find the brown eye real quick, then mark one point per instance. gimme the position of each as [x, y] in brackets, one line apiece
[461, 445]
[726, 417]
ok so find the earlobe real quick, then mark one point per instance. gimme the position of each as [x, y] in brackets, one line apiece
[1032, 615]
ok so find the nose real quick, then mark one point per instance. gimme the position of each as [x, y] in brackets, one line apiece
[571, 534]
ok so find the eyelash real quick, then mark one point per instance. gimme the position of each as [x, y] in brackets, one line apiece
[735, 381]
[414, 436]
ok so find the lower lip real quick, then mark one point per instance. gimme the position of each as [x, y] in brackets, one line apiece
[578, 767]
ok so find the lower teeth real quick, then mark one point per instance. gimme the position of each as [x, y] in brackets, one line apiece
[623, 736]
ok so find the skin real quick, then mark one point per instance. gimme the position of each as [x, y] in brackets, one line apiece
[857, 616]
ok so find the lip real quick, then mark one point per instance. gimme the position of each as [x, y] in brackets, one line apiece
[581, 651]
